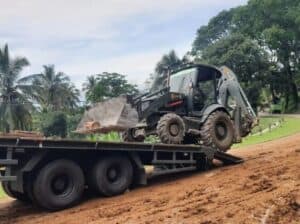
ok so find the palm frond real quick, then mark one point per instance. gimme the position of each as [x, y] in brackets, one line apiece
[17, 64]
[29, 78]
[13, 101]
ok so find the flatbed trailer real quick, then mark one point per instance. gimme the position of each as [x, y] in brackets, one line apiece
[53, 174]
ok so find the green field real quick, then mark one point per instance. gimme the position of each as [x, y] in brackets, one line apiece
[287, 127]
[2, 194]
[265, 122]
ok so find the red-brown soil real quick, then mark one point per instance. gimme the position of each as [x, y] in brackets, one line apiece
[264, 189]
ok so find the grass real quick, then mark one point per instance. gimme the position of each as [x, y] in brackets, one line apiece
[265, 122]
[109, 137]
[288, 127]
[2, 194]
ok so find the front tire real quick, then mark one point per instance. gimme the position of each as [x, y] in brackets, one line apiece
[58, 185]
[111, 175]
[171, 129]
[218, 131]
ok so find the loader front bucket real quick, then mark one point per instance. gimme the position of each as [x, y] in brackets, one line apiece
[115, 114]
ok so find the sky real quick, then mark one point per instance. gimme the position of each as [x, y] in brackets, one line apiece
[86, 37]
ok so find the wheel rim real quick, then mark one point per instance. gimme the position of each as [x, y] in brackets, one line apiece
[174, 129]
[113, 174]
[61, 185]
[221, 130]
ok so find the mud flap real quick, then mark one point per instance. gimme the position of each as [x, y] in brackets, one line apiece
[140, 177]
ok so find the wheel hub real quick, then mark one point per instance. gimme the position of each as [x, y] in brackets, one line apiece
[60, 184]
[113, 174]
[174, 129]
[221, 131]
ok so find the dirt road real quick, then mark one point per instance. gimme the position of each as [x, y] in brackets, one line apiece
[265, 189]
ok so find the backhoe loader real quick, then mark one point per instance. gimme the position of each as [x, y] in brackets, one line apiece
[195, 104]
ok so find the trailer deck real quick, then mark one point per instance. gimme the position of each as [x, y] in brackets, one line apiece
[22, 159]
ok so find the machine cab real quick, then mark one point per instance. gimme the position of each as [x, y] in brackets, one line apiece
[198, 83]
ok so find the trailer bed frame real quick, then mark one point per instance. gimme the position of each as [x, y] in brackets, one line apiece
[19, 156]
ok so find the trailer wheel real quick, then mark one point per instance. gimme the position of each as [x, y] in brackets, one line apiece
[58, 185]
[111, 176]
[171, 129]
[218, 131]
[14, 194]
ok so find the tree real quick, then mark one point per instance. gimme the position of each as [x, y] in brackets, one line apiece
[71, 97]
[167, 62]
[53, 91]
[55, 124]
[217, 28]
[107, 85]
[89, 85]
[14, 106]
[274, 26]
[245, 57]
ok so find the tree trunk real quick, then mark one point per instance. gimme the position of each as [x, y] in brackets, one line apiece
[291, 95]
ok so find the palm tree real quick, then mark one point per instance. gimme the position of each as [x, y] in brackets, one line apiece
[71, 98]
[167, 62]
[53, 91]
[14, 106]
[89, 85]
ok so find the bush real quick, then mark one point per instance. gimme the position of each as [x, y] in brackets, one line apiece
[54, 124]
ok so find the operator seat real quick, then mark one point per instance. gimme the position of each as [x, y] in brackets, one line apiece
[198, 98]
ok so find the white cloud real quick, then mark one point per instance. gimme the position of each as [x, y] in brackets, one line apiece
[83, 37]
[77, 19]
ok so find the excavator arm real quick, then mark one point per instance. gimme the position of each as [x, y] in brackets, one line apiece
[233, 97]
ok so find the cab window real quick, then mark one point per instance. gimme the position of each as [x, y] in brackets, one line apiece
[180, 82]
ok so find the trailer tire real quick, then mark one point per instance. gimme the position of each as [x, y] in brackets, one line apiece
[58, 185]
[111, 176]
[218, 131]
[14, 194]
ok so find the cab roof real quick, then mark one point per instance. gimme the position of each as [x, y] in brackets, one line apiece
[196, 65]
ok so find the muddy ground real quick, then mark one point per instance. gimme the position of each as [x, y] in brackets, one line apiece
[264, 189]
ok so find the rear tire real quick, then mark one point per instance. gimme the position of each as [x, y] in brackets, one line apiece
[171, 129]
[218, 131]
[14, 194]
[111, 175]
[58, 185]
[128, 136]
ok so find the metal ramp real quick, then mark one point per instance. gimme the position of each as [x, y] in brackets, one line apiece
[227, 159]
